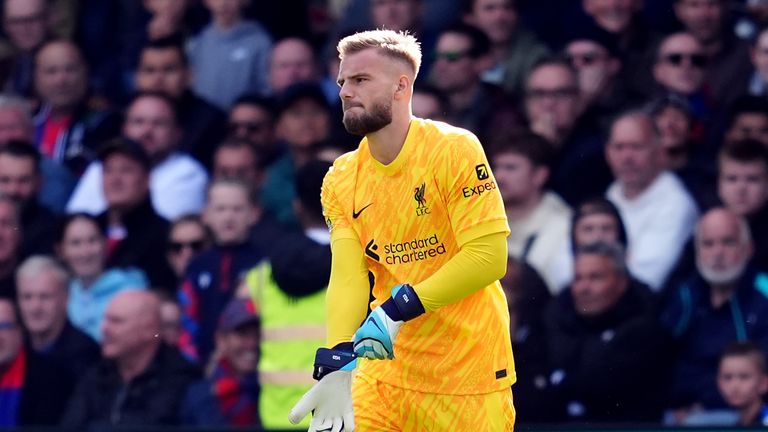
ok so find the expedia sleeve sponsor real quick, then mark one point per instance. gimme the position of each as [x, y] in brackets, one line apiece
[414, 250]
[478, 190]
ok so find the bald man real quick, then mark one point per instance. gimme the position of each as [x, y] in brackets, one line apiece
[730, 300]
[136, 358]
[292, 61]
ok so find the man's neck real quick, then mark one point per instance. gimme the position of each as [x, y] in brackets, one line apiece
[520, 210]
[137, 362]
[43, 340]
[712, 47]
[227, 24]
[634, 190]
[721, 294]
[386, 143]
[58, 112]
[499, 51]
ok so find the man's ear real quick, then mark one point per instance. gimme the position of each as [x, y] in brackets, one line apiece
[403, 88]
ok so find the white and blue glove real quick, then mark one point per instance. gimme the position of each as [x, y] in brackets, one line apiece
[375, 339]
[330, 400]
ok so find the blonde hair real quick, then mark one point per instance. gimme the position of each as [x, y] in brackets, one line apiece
[397, 45]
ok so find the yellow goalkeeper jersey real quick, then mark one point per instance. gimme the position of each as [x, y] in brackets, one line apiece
[411, 216]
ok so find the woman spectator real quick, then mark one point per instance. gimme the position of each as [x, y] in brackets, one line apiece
[187, 237]
[82, 246]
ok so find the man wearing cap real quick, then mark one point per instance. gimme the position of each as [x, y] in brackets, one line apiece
[177, 180]
[229, 395]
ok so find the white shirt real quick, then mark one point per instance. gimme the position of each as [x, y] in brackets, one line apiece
[177, 187]
[659, 221]
[550, 223]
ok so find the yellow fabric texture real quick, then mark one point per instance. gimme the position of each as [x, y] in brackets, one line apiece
[410, 218]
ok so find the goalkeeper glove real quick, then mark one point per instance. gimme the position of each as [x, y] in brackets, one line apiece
[330, 400]
[375, 338]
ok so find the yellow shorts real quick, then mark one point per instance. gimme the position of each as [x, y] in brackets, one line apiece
[382, 407]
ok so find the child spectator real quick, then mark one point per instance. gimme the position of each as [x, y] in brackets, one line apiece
[742, 380]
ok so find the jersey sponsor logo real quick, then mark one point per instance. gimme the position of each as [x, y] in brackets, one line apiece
[418, 249]
[421, 200]
[482, 172]
[356, 214]
[478, 190]
[370, 250]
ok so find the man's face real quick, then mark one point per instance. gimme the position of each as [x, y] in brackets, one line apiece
[743, 186]
[162, 70]
[126, 329]
[614, 16]
[43, 301]
[740, 381]
[759, 55]
[241, 347]
[597, 227]
[10, 236]
[721, 252]
[304, 123]
[596, 286]
[395, 15]
[252, 123]
[185, 240]
[518, 179]
[453, 70]
[229, 214]
[60, 75]
[632, 153]
[125, 182]
[149, 121]
[14, 125]
[674, 126]
[292, 61]
[19, 179]
[552, 96]
[702, 18]
[748, 125]
[368, 83]
[236, 163]
[680, 65]
[25, 23]
[10, 333]
[497, 18]
[170, 315]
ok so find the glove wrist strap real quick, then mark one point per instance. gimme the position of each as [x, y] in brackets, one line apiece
[407, 302]
[332, 360]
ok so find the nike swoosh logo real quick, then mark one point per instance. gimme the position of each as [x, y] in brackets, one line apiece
[373, 321]
[356, 214]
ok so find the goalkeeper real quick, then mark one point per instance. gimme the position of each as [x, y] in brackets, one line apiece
[416, 206]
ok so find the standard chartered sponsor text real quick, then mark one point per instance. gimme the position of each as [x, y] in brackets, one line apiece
[413, 250]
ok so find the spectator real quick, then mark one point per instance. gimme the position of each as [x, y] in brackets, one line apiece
[140, 381]
[67, 130]
[10, 243]
[229, 396]
[742, 186]
[607, 352]
[748, 120]
[230, 56]
[25, 22]
[20, 180]
[213, 276]
[429, 103]
[238, 159]
[16, 125]
[187, 237]
[252, 118]
[758, 53]
[728, 56]
[82, 247]
[135, 234]
[292, 61]
[42, 295]
[170, 316]
[167, 18]
[177, 181]
[462, 53]
[552, 110]
[673, 120]
[742, 380]
[538, 218]
[163, 68]
[405, 15]
[722, 302]
[514, 49]
[34, 388]
[658, 212]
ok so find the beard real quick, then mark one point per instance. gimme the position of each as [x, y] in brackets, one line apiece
[379, 116]
[716, 276]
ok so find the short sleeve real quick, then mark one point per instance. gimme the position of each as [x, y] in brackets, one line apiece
[473, 199]
[333, 211]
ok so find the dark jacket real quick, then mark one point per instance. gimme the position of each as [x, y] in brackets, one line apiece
[74, 350]
[144, 246]
[47, 387]
[702, 333]
[39, 228]
[152, 398]
[204, 127]
[607, 368]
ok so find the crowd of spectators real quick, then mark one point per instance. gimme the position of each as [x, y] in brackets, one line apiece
[163, 253]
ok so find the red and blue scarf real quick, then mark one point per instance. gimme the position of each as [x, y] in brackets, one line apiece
[237, 396]
[11, 381]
